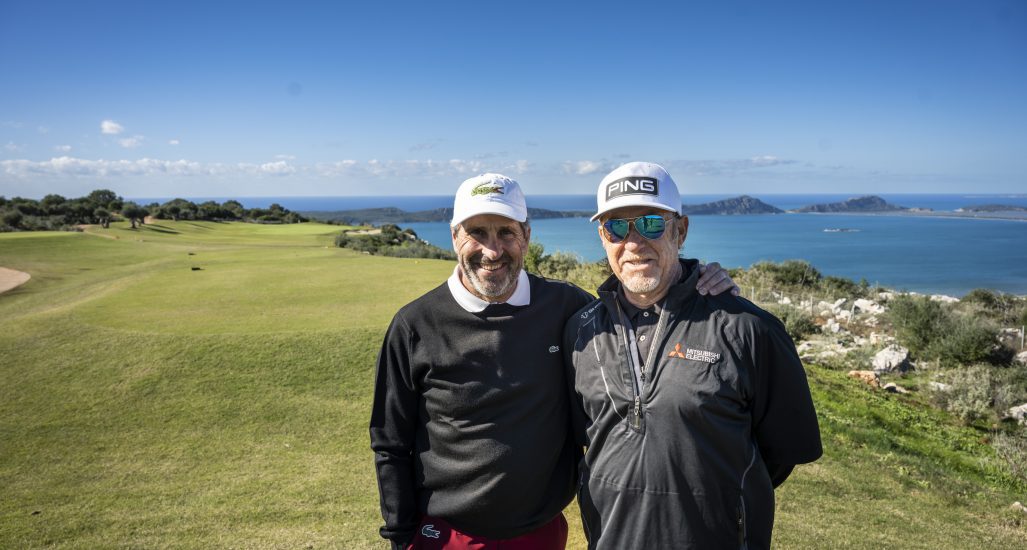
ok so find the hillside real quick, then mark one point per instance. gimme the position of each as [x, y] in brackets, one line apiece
[734, 206]
[201, 384]
[869, 203]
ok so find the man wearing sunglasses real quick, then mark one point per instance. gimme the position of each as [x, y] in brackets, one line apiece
[692, 407]
[470, 419]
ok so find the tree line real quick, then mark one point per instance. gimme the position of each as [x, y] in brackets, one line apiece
[55, 212]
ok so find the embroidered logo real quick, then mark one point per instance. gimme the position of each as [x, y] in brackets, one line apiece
[632, 186]
[430, 531]
[676, 352]
[702, 355]
[487, 188]
[554, 349]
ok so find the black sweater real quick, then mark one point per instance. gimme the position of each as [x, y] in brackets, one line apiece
[470, 414]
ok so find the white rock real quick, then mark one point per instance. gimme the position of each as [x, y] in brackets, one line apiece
[943, 299]
[939, 386]
[838, 303]
[1018, 413]
[785, 301]
[892, 358]
[1017, 507]
[833, 326]
[894, 388]
[868, 306]
[1021, 358]
[844, 315]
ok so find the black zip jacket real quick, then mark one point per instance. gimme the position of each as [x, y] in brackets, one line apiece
[690, 459]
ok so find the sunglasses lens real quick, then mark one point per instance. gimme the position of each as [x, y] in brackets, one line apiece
[650, 227]
[617, 230]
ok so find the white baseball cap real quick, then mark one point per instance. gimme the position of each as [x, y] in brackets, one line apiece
[638, 184]
[489, 194]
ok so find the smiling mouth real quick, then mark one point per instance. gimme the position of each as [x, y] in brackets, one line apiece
[490, 266]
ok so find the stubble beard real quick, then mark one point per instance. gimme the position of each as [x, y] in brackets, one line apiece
[640, 284]
[491, 288]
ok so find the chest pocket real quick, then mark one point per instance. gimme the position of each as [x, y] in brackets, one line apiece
[700, 377]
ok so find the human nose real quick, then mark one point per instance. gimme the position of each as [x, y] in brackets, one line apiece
[492, 248]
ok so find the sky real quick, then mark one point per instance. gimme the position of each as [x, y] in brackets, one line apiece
[250, 99]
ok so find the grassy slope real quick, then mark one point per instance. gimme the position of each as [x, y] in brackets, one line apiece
[145, 404]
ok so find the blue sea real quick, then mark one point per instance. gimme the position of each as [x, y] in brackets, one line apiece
[923, 254]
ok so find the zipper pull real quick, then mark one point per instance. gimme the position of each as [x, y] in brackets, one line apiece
[638, 406]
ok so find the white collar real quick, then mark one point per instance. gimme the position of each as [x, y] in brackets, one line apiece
[520, 297]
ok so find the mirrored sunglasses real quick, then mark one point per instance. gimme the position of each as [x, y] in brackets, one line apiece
[651, 227]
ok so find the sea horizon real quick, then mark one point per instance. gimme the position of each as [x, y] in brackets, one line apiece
[926, 254]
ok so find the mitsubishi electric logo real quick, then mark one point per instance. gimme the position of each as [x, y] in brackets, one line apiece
[694, 354]
[632, 186]
[702, 355]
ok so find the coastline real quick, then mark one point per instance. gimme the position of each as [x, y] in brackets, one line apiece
[1012, 216]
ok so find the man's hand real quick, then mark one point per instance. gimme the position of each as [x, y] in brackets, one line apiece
[714, 279]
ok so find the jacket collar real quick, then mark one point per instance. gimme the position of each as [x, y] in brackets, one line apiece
[679, 293]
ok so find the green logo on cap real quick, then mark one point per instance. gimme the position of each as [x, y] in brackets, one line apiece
[486, 189]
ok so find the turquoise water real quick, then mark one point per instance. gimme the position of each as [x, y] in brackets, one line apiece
[930, 255]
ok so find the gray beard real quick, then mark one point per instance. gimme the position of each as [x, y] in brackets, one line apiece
[490, 289]
[641, 285]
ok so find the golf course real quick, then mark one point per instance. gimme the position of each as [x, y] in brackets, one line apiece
[208, 385]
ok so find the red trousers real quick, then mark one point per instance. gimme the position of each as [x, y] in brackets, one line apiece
[436, 534]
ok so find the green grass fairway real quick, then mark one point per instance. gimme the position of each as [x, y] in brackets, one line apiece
[149, 404]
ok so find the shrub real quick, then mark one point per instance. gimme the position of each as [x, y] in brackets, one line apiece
[969, 395]
[842, 287]
[798, 323]
[918, 321]
[790, 273]
[1013, 449]
[964, 340]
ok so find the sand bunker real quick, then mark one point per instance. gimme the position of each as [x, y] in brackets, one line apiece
[10, 278]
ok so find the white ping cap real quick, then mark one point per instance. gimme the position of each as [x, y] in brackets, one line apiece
[638, 184]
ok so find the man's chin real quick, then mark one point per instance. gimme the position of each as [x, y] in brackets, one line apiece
[640, 285]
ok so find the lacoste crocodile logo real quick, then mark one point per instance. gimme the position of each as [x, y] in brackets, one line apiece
[430, 531]
[486, 189]
[554, 349]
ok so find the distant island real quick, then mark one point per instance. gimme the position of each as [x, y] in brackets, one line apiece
[378, 216]
[735, 206]
[992, 208]
[868, 203]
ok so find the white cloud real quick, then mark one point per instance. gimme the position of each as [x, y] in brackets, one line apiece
[42, 130]
[62, 148]
[111, 127]
[132, 142]
[587, 167]
[452, 169]
[279, 168]
[13, 147]
[285, 157]
[11, 124]
[173, 142]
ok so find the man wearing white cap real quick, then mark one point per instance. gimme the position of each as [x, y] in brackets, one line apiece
[470, 419]
[692, 407]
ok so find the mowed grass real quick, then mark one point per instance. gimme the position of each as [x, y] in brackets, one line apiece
[146, 404]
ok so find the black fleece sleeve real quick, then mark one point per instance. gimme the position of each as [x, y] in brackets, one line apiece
[393, 432]
[784, 420]
[578, 421]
